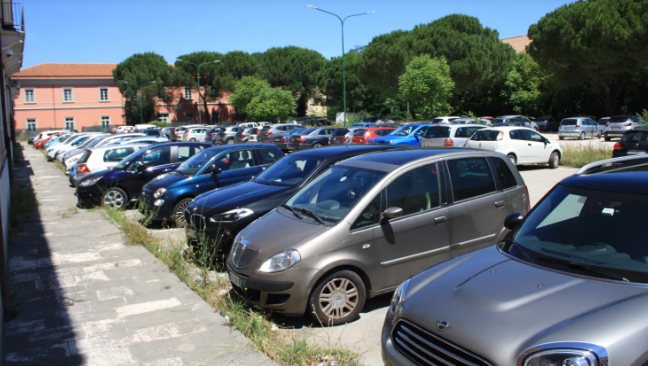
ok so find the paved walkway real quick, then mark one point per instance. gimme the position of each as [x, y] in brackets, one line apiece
[83, 297]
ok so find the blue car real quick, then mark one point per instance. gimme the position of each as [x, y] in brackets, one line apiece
[166, 197]
[123, 183]
[364, 124]
[404, 135]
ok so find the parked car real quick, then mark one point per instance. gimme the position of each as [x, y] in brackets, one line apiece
[364, 124]
[521, 145]
[268, 133]
[125, 129]
[514, 120]
[231, 209]
[178, 131]
[344, 135]
[448, 135]
[57, 139]
[467, 120]
[368, 223]
[43, 135]
[545, 123]
[282, 141]
[633, 142]
[117, 138]
[247, 124]
[152, 132]
[41, 143]
[445, 119]
[56, 151]
[580, 128]
[167, 197]
[168, 132]
[311, 138]
[101, 158]
[559, 275]
[118, 186]
[247, 135]
[403, 135]
[363, 135]
[226, 135]
[71, 156]
[618, 125]
[141, 140]
[196, 134]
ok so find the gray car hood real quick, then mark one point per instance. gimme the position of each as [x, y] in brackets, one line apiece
[498, 307]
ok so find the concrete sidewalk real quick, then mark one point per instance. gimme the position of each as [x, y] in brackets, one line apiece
[83, 297]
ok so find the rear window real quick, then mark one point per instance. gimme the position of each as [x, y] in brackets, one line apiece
[360, 133]
[497, 120]
[117, 155]
[635, 136]
[84, 157]
[505, 175]
[437, 120]
[341, 132]
[485, 135]
[437, 132]
[568, 122]
[618, 119]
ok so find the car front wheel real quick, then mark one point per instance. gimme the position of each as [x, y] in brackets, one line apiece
[115, 197]
[179, 210]
[338, 298]
[317, 146]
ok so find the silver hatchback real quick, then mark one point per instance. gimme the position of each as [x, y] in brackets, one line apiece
[448, 134]
[580, 128]
[616, 126]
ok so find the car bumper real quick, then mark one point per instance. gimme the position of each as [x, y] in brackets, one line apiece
[88, 196]
[391, 356]
[569, 133]
[282, 146]
[614, 132]
[163, 212]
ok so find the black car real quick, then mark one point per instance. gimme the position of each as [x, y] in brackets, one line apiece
[545, 123]
[151, 131]
[123, 183]
[633, 142]
[228, 210]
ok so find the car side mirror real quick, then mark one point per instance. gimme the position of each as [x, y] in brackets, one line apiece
[392, 213]
[141, 169]
[216, 172]
[513, 220]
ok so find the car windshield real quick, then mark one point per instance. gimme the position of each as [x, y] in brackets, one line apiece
[335, 192]
[289, 171]
[80, 141]
[403, 130]
[341, 131]
[485, 135]
[569, 122]
[192, 165]
[635, 136]
[606, 242]
[437, 132]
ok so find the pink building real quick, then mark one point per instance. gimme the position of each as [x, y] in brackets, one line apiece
[74, 96]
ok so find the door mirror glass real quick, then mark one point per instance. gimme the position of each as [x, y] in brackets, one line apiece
[512, 220]
[392, 213]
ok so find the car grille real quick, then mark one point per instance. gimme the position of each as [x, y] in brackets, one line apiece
[425, 348]
[243, 256]
[198, 222]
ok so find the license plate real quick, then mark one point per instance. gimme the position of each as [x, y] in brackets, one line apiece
[637, 152]
[615, 128]
[236, 280]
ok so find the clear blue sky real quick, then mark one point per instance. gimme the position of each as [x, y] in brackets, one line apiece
[108, 31]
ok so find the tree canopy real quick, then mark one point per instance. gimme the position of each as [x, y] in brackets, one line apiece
[272, 104]
[426, 82]
[523, 86]
[245, 90]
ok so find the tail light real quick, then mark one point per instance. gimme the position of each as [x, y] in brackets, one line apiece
[500, 136]
[240, 136]
[283, 139]
[175, 130]
[83, 168]
[330, 138]
[300, 139]
[618, 146]
[267, 133]
[344, 138]
[628, 124]
[211, 134]
[448, 143]
[577, 126]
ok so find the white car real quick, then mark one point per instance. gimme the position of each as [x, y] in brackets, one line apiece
[45, 134]
[102, 158]
[195, 134]
[141, 140]
[520, 144]
[445, 119]
[125, 129]
[447, 135]
[69, 144]
[119, 138]
[247, 124]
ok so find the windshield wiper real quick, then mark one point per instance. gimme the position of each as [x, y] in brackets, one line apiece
[292, 210]
[585, 268]
[312, 214]
[522, 250]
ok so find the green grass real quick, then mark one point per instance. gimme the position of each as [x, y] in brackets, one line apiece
[583, 155]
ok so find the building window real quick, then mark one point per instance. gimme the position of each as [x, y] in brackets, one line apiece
[31, 124]
[164, 117]
[30, 97]
[69, 123]
[189, 117]
[105, 121]
[67, 95]
[103, 94]
[187, 92]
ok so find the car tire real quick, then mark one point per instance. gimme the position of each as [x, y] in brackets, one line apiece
[512, 158]
[338, 298]
[230, 142]
[560, 138]
[581, 136]
[115, 197]
[554, 160]
[317, 145]
[192, 139]
[178, 212]
[606, 138]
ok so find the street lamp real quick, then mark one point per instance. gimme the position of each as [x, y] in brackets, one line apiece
[343, 65]
[198, 67]
[137, 86]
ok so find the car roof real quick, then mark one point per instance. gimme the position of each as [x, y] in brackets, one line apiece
[508, 128]
[109, 147]
[240, 146]
[628, 175]
[333, 151]
[390, 161]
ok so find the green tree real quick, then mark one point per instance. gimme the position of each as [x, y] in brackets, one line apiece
[599, 42]
[245, 90]
[523, 86]
[272, 104]
[357, 92]
[139, 69]
[427, 84]
[209, 74]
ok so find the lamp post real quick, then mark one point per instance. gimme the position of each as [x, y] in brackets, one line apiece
[137, 86]
[343, 64]
[198, 74]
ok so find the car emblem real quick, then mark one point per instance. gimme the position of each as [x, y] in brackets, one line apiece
[195, 209]
[443, 325]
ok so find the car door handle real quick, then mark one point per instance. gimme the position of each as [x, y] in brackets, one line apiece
[500, 204]
[440, 220]
[529, 144]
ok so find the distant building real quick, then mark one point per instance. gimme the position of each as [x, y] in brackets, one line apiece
[519, 44]
[75, 96]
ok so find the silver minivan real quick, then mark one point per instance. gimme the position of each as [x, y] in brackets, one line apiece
[368, 223]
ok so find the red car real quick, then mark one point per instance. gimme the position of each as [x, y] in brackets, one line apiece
[363, 136]
[41, 143]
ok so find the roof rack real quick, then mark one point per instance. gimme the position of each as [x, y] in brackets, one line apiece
[613, 164]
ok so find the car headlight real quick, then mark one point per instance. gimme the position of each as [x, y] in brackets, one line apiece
[562, 357]
[396, 304]
[89, 182]
[159, 192]
[232, 215]
[281, 261]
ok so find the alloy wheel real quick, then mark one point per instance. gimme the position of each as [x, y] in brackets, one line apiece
[338, 298]
[114, 199]
[180, 212]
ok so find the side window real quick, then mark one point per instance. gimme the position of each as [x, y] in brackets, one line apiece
[323, 132]
[462, 132]
[117, 155]
[234, 160]
[505, 175]
[265, 156]
[532, 136]
[157, 157]
[185, 152]
[516, 135]
[382, 132]
[470, 177]
[370, 215]
[415, 191]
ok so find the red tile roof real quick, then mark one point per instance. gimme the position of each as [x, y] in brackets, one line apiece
[67, 71]
[519, 44]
